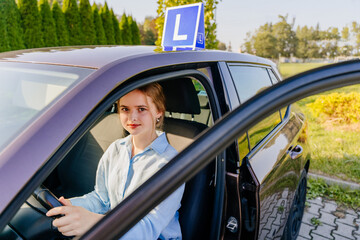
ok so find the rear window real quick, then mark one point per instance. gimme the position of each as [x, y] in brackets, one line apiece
[249, 80]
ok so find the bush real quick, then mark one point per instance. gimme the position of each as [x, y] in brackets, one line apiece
[339, 107]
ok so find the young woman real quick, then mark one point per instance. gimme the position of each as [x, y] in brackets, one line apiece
[125, 165]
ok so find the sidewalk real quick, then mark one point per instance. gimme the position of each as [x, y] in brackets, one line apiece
[331, 221]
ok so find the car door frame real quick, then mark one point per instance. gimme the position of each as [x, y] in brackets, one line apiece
[215, 139]
[243, 179]
[121, 90]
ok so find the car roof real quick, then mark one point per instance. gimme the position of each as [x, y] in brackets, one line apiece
[98, 56]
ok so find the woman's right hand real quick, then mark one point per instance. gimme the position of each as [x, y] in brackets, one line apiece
[75, 221]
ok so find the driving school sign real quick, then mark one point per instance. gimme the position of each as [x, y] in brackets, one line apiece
[184, 28]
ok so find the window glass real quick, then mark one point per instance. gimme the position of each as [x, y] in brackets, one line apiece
[283, 112]
[243, 146]
[272, 76]
[27, 89]
[263, 128]
[249, 80]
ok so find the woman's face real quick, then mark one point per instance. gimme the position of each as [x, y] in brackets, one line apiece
[138, 114]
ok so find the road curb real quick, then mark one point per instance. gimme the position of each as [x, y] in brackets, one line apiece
[332, 181]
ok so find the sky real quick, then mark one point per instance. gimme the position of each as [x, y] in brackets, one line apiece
[235, 18]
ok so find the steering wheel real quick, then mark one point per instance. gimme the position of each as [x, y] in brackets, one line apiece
[30, 222]
[46, 198]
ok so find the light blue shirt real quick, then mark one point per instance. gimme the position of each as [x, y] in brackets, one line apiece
[118, 175]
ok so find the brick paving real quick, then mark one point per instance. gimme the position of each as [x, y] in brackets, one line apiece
[334, 222]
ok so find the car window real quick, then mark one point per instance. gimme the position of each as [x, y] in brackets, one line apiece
[273, 78]
[263, 128]
[243, 146]
[283, 112]
[249, 80]
[26, 89]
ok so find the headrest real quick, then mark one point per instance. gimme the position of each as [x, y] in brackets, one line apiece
[181, 96]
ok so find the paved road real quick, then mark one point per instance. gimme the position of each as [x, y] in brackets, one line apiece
[334, 222]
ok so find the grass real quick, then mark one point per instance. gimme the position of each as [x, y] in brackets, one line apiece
[345, 197]
[315, 221]
[334, 147]
[289, 69]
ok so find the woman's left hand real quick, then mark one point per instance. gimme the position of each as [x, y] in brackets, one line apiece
[76, 220]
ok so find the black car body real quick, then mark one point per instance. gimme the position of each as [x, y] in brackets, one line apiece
[243, 188]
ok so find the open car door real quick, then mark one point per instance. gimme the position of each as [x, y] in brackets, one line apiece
[216, 139]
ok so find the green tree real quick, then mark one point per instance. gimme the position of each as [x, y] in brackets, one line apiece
[316, 32]
[125, 30]
[355, 27]
[356, 33]
[73, 22]
[248, 46]
[357, 43]
[148, 37]
[31, 22]
[209, 19]
[329, 49]
[148, 32]
[331, 33]
[60, 24]
[13, 25]
[100, 33]
[117, 32]
[108, 24]
[4, 41]
[345, 33]
[307, 46]
[87, 23]
[313, 50]
[285, 37]
[135, 32]
[210, 24]
[329, 42]
[302, 33]
[48, 24]
[346, 50]
[265, 43]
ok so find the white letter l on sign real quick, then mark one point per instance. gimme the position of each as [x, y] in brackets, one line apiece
[178, 37]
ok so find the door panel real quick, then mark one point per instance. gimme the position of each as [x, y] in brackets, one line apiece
[278, 173]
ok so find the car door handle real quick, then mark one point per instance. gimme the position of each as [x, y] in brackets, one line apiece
[295, 152]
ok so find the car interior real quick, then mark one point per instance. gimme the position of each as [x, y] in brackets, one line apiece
[188, 114]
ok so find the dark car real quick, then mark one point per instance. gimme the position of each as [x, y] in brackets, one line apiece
[58, 115]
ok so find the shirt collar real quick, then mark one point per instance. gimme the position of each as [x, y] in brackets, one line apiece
[159, 145]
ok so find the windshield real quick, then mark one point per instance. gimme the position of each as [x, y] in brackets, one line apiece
[26, 89]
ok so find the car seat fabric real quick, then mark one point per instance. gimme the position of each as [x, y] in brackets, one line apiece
[181, 96]
[196, 204]
[78, 169]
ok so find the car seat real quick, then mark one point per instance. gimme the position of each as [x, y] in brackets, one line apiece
[197, 201]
